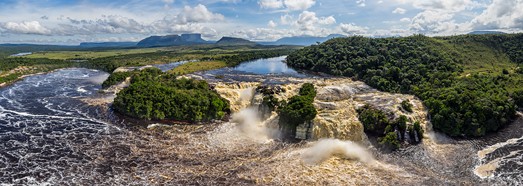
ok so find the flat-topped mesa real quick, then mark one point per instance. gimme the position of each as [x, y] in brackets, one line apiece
[172, 40]
[234, 41]
[336, 103]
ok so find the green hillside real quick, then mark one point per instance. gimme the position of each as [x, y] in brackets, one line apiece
[470, 83]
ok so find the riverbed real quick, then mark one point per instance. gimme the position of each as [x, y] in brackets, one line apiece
[50, 136]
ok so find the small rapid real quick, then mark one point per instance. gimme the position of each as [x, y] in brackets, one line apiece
[57, 129]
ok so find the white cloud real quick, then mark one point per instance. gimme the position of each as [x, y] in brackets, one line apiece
[271, 4]
[286, 19]
[290, 5]
[199, 13]
[25, 27]
[309, 21]
[434, 22]
[353, 29]
[272, 24]
[168, 3]
[299, 4]
[501, 14]
[405, 19]
[399, 11]
[447, 5]
[361, 3]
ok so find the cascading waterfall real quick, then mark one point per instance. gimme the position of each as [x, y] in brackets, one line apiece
[51, 137]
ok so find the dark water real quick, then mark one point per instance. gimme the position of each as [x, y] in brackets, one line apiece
[43, 126]
[169, 66]
[274, 66]
[268, 71]
[22, 54]
[49, 136]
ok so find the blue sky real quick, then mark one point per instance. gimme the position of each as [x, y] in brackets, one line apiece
[72, 22]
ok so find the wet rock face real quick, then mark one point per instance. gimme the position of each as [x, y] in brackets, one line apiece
[336, 101]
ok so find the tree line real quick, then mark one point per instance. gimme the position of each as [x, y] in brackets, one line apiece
[459, 105]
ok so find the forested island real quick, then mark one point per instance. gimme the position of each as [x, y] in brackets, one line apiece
[470, 83]
[156, 95]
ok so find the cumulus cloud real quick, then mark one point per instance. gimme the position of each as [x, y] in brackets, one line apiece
[25, 27]
[291, 5]
[299, 4]
[453, 6]
[434, 21]
[189, 19]
[405, 19]
[110, 24]
[308, 20]
[271, 4]
[199, 13]
[399, 11]
[286, 19]
[353, 29]
[361, 3]
[501, 14]
[272, 24]
[438, 16]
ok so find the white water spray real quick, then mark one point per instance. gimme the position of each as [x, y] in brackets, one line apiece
[324, 149]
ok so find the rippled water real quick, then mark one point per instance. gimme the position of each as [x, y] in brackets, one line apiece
[252, 70]
[267, 66]
[43, 124]
[49, 136]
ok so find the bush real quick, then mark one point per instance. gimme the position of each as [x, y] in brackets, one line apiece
[406, 105]
[428, 68]
[298, 110]
[156, 95]
[390, 140]
[115, 78]
[517, 96]
[374, 120]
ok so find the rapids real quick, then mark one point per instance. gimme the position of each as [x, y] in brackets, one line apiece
[58, 129]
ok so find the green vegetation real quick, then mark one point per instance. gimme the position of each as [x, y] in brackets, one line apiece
[460, 78]
[90, 54]
[269, 102]
[298, 110]
[156, 95]
[191, 67]
[406, 105]
[390, 140]
[116, 77]
[11, 69]
[378, 123]
[518, 98]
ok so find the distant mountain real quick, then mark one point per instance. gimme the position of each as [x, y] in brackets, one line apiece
[485, 32]
[172, 40]
[107, 44]
[301, 40]
[234, 41]
[195, 38]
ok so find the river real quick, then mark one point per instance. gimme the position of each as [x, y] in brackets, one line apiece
[50, 136]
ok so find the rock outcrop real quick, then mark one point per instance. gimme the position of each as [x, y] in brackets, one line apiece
[336, 102]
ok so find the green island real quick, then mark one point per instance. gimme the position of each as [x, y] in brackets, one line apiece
[471, 84]
[377, 122]
[297, 110]
[156, 95]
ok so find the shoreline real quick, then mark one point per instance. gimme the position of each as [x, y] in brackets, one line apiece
[5, 84]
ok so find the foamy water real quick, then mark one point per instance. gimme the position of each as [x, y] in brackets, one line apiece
[56, 130]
